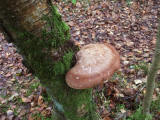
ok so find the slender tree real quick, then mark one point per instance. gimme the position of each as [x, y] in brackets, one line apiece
[43, 39]
[152, 76]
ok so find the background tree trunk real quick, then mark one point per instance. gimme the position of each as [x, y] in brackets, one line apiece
[48, 52]
[151, 76]
[24, 14]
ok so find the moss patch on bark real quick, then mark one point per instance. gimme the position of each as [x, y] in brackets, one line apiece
[50, 55]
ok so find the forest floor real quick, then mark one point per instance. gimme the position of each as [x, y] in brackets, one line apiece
[130, 26]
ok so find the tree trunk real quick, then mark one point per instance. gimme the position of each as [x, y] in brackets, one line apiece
[151, 77]
[43, 38]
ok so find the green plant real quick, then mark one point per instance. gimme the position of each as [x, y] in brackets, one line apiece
[32, 87]
[4, 108]
[155, 106]
[141, 66]
[38, 116]
[106, 100]
[47, 98]
[117, 75]
[120, 77]
[74, 1]
[15, 111]
[129, 2]
[25, 118]
[119, 107]
[139, 116]
[4, 96]
[18, 100]
[106, 103]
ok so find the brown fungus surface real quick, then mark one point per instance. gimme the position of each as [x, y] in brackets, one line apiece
[95, 64]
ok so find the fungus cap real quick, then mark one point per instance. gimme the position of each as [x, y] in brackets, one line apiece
[95, 64]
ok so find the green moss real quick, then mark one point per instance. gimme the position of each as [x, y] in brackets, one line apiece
[50, 57]
[67, 59]
[59, 29]
[62, 66]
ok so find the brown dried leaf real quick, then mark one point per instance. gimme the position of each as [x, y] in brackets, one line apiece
[46, 112]
[70, 23]
[107, 118]
[40, 100]
[25, 100]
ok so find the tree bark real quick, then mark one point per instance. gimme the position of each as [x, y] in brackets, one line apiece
[43, 39]
[152, 76]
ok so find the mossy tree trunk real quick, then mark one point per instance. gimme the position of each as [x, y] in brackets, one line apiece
[43, 39]
[152, 76]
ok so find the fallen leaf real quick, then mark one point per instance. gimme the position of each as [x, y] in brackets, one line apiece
[129, 91]
[70, 23]
[46, 112]
[13, 96]
[25, 100]
[138, 81]
[40, 100]
[107, 118]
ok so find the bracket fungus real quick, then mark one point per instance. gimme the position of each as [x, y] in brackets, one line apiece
[95, 64]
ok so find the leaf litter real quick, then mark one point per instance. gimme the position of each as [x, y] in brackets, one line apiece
[129, 26]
